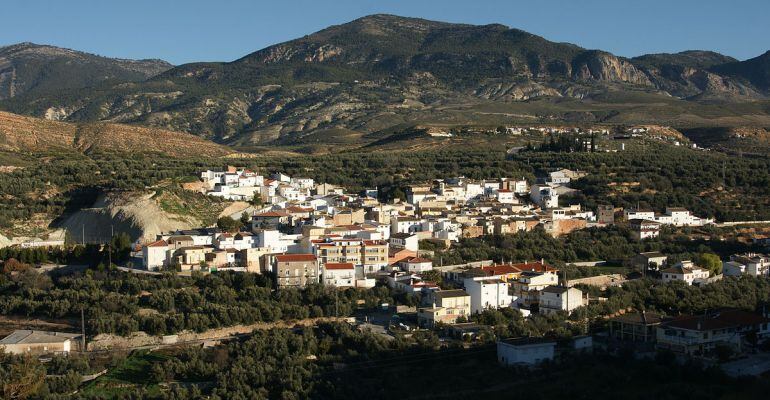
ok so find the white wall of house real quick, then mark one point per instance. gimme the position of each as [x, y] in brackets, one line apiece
[487, 294]
[154, 257]
[339, 277]
[568, 301]
[529, 354]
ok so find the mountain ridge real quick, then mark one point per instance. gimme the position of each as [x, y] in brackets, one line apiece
[20, 133]
[43, 69]
[382, 70]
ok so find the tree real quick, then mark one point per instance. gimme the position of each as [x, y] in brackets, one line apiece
[245, 219]
[710, 262]
[121, 246]
[228, 224]
[21, 379]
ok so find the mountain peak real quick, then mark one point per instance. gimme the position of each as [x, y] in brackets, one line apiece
[36, 68]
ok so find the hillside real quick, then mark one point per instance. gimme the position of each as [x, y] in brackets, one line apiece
[755, 71]
[28, 68]
[141, 215]
[27, 134]
[381, 71]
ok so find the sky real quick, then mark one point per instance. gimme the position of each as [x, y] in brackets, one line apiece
[224, 30]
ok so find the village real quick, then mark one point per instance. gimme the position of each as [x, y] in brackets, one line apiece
[309, 233]
[300, 233]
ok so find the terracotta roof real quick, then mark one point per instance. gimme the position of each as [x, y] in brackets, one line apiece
[297, 209]
[555, 289]
[159, 243]
[416, 260]
[699, 323]
[643, 318]
[444, 294]
[403, 253]
[677, 269]
[294, 257]
[339, 266]
[271, 214]
[499, 269]
[534, 266]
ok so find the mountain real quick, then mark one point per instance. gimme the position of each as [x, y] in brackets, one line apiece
[27, 134]
[38, 69]
[381, 73]
[691, 74]
[755, 71]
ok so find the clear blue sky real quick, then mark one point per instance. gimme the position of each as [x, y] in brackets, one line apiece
[223, 30]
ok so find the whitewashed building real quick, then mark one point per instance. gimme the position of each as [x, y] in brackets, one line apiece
[525, 351]
[488, 294]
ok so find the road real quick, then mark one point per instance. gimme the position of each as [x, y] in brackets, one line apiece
[753, 365]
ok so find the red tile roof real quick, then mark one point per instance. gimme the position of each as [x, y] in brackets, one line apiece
[416, 260]
[500, 269]
[294, 257]
[272, 214]
[534, 267]
[296, 209]
[159, 243]
[338, 266]
[718, 320]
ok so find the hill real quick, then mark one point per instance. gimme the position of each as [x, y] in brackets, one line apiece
[755, 71]
[32, 135]
[28, 68]
[381, 71]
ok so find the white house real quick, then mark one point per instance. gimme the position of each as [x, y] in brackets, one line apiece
[756, 264]
[544, 195]
[339, 274]
[525, 351]
[417, 265]
[560, 298]
[559, 177]
[154, 255]
[487, 294]
[519, 187]
[733, 268]
[506, 196]
[303, 183]
[405, 225]
[406, 241]
[39, 342]
[644, 229]
[684, 271]
[632, 213]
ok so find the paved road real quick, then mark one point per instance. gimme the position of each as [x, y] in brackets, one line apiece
[753, 365]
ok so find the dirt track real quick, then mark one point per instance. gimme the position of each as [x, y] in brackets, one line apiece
[141, 339]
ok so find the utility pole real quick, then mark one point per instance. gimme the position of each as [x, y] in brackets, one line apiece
[109, 246]
[83, 329]
[566, 285]
[724, 173]
[83, 233]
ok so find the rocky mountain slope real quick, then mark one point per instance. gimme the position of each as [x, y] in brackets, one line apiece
[28, 68]
[134, 213]
[28, 134]
[383, 71]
